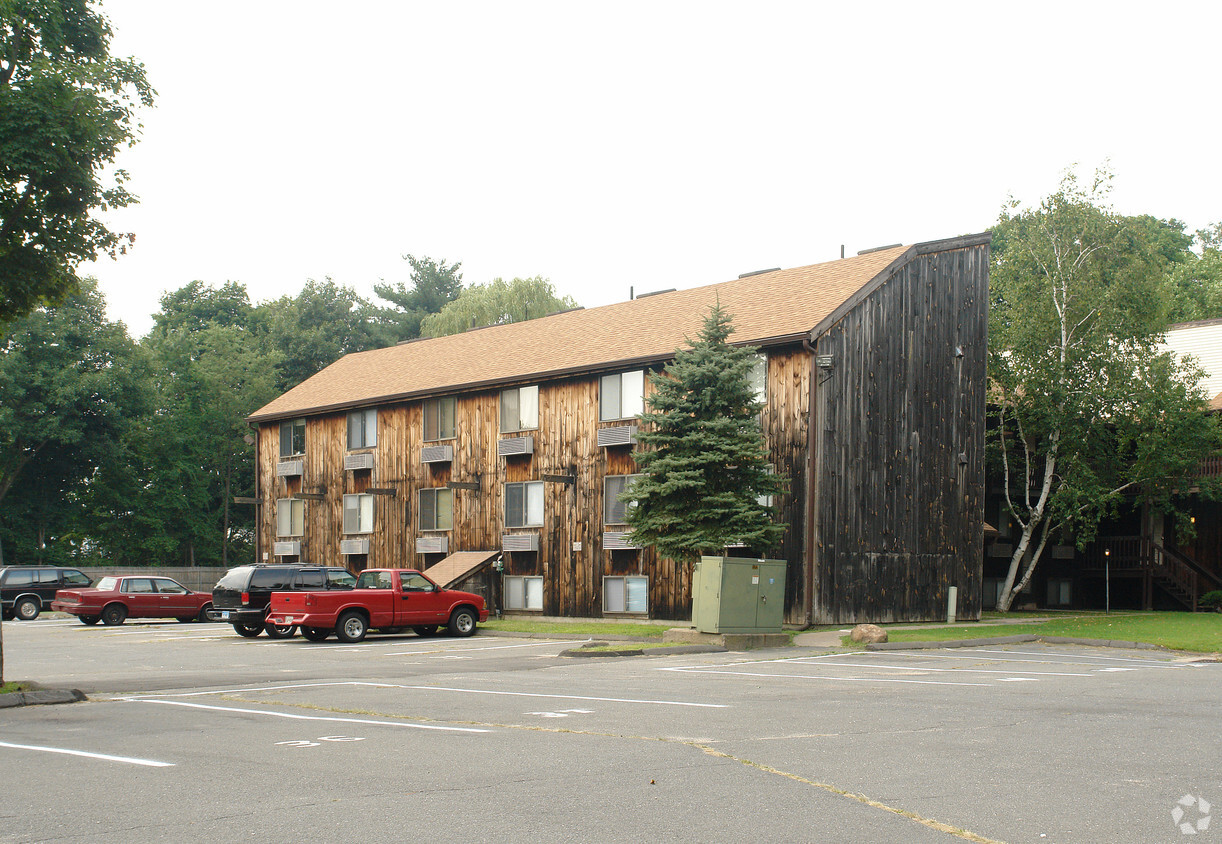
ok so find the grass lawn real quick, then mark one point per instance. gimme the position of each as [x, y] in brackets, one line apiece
[1177, 630]
[5, 688]
[577, 629]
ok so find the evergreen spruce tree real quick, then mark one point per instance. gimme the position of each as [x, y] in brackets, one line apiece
[704, 463]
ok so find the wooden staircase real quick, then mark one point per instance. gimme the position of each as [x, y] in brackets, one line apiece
[1179, 576]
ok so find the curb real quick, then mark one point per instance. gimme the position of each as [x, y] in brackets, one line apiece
[1011, 640]
[664, 651]
[41, 698]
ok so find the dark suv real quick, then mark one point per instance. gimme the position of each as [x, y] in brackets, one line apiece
[25, 591]
[243, 596]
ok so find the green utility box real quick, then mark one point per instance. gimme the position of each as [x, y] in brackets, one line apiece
[738, 595]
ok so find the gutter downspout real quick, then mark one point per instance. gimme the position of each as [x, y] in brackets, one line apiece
[258, 501]
[808, 560]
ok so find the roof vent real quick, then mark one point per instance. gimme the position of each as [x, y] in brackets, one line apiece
[759, 272]
[879, 248]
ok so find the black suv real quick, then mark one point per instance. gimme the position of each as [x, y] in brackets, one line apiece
[243, 596]
[26, 590]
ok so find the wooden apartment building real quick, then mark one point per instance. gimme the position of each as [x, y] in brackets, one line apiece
[512, 443]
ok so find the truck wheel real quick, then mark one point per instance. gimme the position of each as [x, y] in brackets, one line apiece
[90, 619]
[27, 609]
[114, 614]
[351, 627]
[462, 623]
[315, 634]
[425, 629]
[275, 631]
[248, 630]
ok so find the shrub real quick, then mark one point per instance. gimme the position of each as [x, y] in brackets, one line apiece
[1211, 600]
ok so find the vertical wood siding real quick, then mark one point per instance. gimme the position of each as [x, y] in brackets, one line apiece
[565, 444]
[900, 455]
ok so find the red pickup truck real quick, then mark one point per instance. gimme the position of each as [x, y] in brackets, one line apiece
[383, 599]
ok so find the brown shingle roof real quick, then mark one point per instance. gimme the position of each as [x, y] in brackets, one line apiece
[458, 566]
[766, 307]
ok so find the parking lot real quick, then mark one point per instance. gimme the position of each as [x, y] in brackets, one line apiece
[193, 733]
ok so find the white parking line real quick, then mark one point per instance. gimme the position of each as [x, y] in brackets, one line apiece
[996, 656]
[149, 763]
[297, 717]
[883, 665]
[566, 697]
[833, 678]
[493, 647]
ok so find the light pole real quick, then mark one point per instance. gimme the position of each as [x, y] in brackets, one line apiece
[1107, 581]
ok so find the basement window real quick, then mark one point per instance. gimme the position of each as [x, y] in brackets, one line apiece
[523, 593]
[626, 594]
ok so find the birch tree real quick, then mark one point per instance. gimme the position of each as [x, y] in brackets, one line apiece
[1088, 411]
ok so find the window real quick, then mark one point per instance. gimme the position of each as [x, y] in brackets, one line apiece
[758, 378]
[138, 586]
[436, 509]
[523, 593]
[519, 409]
[292, 438]
[415, 582]
[439, 419]
[622, 395]
[358, 514]
[615, 512]
[19, 577]
[524, 504]
[1059, 592]
[375, 580]
[625, 594]
[75, 578]
[290, 517]
[169, 587]
[363, 428]
[340, 579]
[107, 584]
[272, 579]
[308, 579]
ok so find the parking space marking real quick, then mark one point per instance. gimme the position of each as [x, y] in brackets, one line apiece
[297, 717]
[997, 656]
[566, 697]
[496, 647]
[833, 678]
[148, 763]
[970, 670]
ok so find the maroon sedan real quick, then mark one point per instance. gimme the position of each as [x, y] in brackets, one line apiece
[114, 599]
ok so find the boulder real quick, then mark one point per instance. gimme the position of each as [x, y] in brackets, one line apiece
[868, 633]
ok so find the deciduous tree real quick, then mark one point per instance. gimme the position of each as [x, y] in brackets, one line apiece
[497, 303]
[1088, 411]
[434, 285]
[67, 107]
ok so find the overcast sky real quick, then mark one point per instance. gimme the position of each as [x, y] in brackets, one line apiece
[633, 144]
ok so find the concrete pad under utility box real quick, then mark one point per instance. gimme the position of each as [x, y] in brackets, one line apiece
[729, 641]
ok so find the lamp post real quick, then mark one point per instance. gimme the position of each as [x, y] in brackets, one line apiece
[1107, 581]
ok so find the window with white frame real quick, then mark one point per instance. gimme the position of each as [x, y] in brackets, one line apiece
[439, 419]
[290, 517]
[363, 428]
[523, 593]
[758, 378]
[626, 594]
[524, 504]
[622, 395]
[437, 509]
[615, 511]
[519, 409]
[292, 438]
[358, 513]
